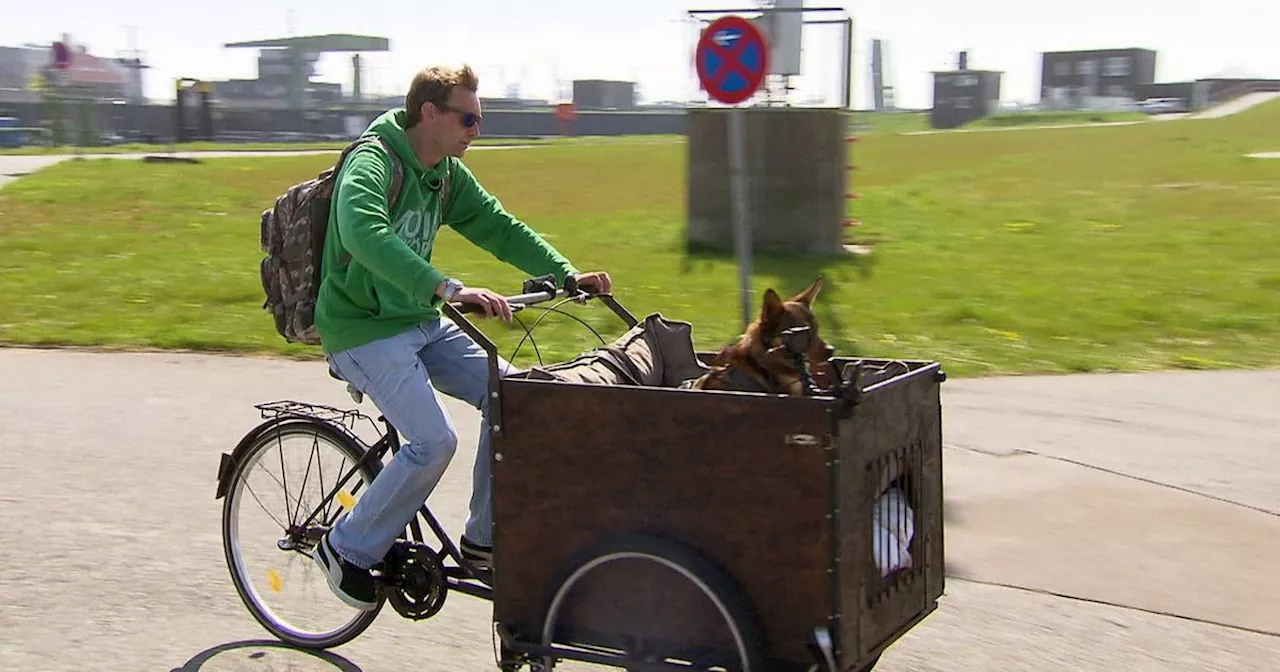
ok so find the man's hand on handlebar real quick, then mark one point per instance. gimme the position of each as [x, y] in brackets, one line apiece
[597, 282]
[491, 303]
[579, 288]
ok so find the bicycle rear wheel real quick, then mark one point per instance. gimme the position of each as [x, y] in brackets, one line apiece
[283, 478]
[643, 602]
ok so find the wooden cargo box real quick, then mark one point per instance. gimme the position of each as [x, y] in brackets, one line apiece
[777, 493]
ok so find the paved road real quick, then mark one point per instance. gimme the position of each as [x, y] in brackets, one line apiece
[1238, 104]
[1027, 127]
[1224, 110]
[113, 558]
[15, 166]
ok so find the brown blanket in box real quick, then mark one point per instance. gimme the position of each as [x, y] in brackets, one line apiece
[657, 352]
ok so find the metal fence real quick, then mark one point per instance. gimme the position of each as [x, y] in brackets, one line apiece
[88, 122]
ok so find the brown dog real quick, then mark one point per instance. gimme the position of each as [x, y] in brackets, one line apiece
[767, 357]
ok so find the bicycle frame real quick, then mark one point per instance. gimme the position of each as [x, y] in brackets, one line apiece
[460, 578]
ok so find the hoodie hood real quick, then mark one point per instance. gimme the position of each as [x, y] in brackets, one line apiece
[378, 277]
[390, 126]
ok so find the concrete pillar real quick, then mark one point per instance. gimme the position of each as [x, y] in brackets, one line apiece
[356, 93]
[797, 179]
[297, 79]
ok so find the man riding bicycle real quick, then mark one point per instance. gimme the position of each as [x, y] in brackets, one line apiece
[378, 314]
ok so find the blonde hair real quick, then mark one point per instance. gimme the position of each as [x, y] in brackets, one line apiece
[433, 85]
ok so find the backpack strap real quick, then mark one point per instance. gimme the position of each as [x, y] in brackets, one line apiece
[444, 188]
[397, 175]
[397, 168]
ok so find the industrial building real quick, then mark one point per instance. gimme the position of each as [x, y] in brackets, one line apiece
[275, 84]
[599, 94]
[285, 68]
[1079, 79]
[964, 95]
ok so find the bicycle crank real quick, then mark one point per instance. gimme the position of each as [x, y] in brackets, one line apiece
[415, 583]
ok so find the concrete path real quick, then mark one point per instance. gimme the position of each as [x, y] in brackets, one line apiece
[1027, 127]
[13, 166]
[1238, 105]
[1226, 109]
[1095, 523]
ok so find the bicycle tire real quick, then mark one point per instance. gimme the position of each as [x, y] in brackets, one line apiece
[260, 612]
[684, 562]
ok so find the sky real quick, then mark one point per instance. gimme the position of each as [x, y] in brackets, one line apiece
[652, 41]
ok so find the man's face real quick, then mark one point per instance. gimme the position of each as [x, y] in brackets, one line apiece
[451, 122]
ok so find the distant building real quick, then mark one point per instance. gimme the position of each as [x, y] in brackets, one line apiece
[23, 70]
[18, 69]
[599, 94]
[277, 69]
[285, 68]
[1070, 79]
[964, 95]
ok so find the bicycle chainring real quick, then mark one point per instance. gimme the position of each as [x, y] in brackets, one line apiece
[416, 587]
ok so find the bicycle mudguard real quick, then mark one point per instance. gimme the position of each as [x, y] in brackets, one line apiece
[228, 461]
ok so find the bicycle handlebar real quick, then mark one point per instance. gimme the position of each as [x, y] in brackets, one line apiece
[536, 290]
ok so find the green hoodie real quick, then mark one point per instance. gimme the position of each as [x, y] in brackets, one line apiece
[377, 277]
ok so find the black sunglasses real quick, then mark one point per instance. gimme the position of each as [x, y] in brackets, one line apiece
[468, 119]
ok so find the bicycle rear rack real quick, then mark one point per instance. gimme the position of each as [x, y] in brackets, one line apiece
[286, 408]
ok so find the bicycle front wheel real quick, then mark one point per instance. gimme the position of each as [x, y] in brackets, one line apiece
[273, 515]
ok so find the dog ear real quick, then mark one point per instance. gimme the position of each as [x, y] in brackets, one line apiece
[771, 309]
[808, 296]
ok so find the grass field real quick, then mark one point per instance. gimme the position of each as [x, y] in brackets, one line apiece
[1076, 249]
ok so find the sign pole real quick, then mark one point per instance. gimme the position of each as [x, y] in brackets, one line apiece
[732, 59]
[60, 62]
[737, 132]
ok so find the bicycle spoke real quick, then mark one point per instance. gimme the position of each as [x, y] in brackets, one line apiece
[285, 476]
[306, 475]
[301, 500]
[261, 505]
[329, 520]
[320, 468]
[337, 491]
[292, 601]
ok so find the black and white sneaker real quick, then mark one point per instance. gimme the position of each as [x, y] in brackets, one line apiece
[480, 557]
[351, 583]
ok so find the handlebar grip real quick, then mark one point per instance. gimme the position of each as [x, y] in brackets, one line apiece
[467, 307]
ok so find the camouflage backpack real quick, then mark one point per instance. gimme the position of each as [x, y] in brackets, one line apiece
[293, 235]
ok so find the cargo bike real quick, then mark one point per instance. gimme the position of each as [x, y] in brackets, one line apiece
[638, 524]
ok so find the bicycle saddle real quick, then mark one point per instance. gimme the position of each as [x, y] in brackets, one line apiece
[356, 395]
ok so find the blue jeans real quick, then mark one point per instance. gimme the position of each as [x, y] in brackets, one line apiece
[404, 376]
